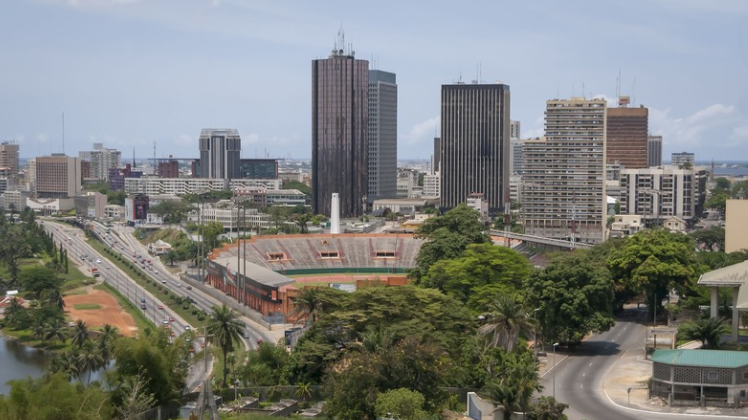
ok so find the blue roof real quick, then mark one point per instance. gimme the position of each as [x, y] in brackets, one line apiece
[702, 358]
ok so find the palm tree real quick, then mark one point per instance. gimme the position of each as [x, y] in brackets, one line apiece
[501, 393]
[308, 303]
[65, 362]
[14, 310]
[171, 257]
[55, 330]
[226, 328]
[708, 331]
[303, 390]
[89, 360]
[39, 331]
[54, 297]
[106, 341]
[506, 322]
[80, 334]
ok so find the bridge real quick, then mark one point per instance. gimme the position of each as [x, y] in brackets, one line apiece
[540, 241]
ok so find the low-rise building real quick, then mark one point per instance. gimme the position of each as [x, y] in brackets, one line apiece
[625, 225]
[182, 186]
[408, 206]
[700, 377]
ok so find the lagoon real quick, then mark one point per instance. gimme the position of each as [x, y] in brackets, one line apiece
[18, 362]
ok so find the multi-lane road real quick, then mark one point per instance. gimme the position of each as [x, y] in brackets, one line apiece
[72, 239]
[579, 378]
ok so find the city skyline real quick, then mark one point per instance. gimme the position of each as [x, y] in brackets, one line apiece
[129, 73]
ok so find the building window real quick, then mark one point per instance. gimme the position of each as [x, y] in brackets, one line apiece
[328, 254]
[711, 375]
[385, 254]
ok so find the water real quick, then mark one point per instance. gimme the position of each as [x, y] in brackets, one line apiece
[19, 362]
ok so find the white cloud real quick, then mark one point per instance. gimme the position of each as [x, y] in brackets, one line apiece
[708, 127]
[42, 138]
[421, 131]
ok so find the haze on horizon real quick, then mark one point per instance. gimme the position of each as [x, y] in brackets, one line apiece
[130, 72]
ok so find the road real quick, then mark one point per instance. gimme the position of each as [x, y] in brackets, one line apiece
[121, 240]
[579, 377]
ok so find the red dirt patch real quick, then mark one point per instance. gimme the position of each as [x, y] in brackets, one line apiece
[110, 312]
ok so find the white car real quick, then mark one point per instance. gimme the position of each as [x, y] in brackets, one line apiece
[186, 327]
[98, 261]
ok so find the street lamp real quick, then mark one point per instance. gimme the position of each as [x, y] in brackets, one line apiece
[554, 370]
[236, 385]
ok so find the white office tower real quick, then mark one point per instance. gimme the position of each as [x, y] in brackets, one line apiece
[335, 214]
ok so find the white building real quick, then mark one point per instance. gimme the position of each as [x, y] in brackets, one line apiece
[16, 200]
[226, 213]
[290, 198]
[431, 185]
[181, 186]
[478, 202]
[102, 159]
[658, 193]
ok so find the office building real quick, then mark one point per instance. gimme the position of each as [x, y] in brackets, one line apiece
[220, 153]
[58, 176]
[258, 169]
[626, 140]
[563, 179]
[9, 152]
[382, 135]
[659, 193]
[682, 158]
[475, 144]
[654, 151]
[436, 160]
[340, 124]
[515, 148]
[181, 186]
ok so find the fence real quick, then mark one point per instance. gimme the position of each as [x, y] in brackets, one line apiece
[223, 298]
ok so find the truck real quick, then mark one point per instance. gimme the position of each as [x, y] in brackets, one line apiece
[95, 271]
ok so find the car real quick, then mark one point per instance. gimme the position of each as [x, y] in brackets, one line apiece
[71, 324]
[167, 326]
[189, 287]
[163, 281]
[142, 300]
[161, 307]
[98, 261]
[179, 284]
[166, 321]
[245, 334]
[171, 319]
[143, 307]
[186, 327]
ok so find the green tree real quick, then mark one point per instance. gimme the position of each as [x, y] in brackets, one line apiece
[89, 359]
[707, 330]
[135, 398]
[402, 403]
[573, 296]
[226, 329]
[722, 183]
[547, 408]
[308, 304]
[447, 236]
[65, 363]
[714, 236]
[106, 341]
[506, 322]
[718, 201]
[296, 185]
[483, 272]
[171, 257]
[655, 262]
[38, 279]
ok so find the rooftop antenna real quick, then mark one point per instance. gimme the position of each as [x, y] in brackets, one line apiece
[154, 153]
[63, 132]
[133, 158]
[583, 95]
[633, 93]
[618, 86]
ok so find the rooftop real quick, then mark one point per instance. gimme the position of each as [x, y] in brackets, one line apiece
[702, 358]
[255, 272]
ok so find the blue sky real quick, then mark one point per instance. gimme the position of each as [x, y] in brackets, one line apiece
[131, 72]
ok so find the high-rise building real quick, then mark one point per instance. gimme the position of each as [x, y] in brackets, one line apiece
[102, 159]
[9, 157]
[340, 118]
[58, 176]
[382, 135]
[626, 139]
[515, 148]
[220, 153]
[654, 151]
[475, 144]
[168, 169]
[563, 179]
[682, 158]
[436, 163]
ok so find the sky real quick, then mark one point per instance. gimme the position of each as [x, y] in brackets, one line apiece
[128, 73]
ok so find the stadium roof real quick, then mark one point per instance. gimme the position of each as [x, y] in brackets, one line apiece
[255, 272]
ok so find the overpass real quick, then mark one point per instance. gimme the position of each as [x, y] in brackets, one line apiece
[540, 241]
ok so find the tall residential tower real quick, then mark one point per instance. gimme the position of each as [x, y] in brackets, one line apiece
[340, 131]
[563, 180]
[474, 144]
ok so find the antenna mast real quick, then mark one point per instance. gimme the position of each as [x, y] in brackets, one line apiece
[154, 157]
[63, 132]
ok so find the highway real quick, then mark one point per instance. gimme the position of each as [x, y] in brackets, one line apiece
[579, 378]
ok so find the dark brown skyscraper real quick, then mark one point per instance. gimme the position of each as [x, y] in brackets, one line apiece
[475, 143]
[340, 116]
[627, 136]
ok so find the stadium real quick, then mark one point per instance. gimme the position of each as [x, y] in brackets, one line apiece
[273, 269]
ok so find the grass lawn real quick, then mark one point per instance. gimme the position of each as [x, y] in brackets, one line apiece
[79, 291]
[25, 337]
[140, 321]
[86, 306]
[151, 285]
